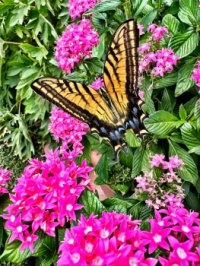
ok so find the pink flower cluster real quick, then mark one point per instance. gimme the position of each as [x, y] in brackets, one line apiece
[115, 239]
[70, 131]
[112, 239]
[196, 74]
[45, 196]
[75, 43]
[97, 84]
[4, 178]
[78, 7]
[158, 32]
[158, 62]
[160, 192]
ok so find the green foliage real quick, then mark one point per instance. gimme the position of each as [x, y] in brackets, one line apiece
[28, 31]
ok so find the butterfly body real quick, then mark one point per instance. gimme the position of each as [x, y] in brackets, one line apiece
[110, 110]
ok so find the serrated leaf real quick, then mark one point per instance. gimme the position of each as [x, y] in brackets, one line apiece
[28, 76]
[18, 15]
[185, 43]
[161, 123]
[91, 203]
[184, 81]
[36, 52]
[188, 12]
[188, 171]
[171, 23]
[189, 136]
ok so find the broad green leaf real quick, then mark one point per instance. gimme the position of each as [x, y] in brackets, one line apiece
[132, 140]
[138, 6]
[106, 5]
[195, 150]
[28, 76]
[91, 203]
[167, 81]
[137, 161]
[171, 23]
[168, 101]
[182, 112]
[13, 254]
[185, 43]
[148, 18]
[102, 170]
[188, 12]
[184, 81]
[161, 123]
[193, 201]
[188, 171]
[117, 204]
[190, 105]
[197, 113]
[190, 136]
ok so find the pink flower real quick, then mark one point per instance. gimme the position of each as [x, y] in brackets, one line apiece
[4, 177]
[97, 84]
[75, 43]
[196, 74]
[182, 251]
[78, 7]
[157, 31]
[157, 160]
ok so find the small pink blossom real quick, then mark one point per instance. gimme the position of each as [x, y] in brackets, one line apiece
[97, 84]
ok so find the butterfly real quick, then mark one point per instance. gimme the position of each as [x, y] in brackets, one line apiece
[112, 110]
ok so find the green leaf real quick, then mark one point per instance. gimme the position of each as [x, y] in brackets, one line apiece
[168, 101]
[138, 6]
[161, 123]
[117, 204]
[107, 5]
[184, 44]
[182, 112]
[102, 170]
[91, 203]
[184, 82]
[137, 161]
[188, 12]
[166, 81]
[171, 23]
[195, 150]
[190, 136]
[36, 52]
[188, 171]
[193, 201]
[148, 18]
[197, 113]
[13, 254]
[28, 77]
[18, 15]
[132, 139]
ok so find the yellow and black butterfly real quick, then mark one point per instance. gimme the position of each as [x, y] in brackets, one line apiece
[113, 110]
